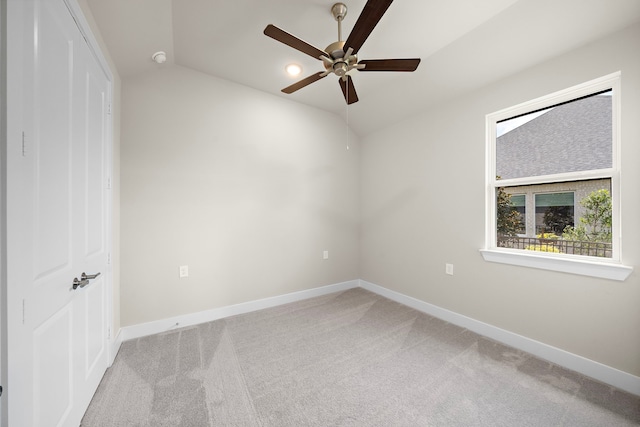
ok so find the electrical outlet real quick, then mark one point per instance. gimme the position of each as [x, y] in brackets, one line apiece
[184, 271]
[325, 255]
[449, 269]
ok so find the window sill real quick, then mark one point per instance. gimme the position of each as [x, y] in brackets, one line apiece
[605, 270]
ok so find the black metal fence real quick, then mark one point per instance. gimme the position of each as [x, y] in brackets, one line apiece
[598, 249]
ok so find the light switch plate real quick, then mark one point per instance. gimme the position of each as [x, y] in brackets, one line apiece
[449, 269]
[184, 271]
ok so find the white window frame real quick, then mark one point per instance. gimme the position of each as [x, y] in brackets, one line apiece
[609, 268]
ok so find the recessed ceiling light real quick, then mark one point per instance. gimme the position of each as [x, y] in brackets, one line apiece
[293, 69]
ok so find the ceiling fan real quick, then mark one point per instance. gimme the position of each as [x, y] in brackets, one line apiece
[341, 57]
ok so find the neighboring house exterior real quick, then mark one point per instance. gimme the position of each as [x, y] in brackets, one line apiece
[538, 148]
[525, 198]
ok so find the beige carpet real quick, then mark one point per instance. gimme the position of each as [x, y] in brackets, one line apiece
[347, 359]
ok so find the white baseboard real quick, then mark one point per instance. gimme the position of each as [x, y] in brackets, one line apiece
[574, 362]
[150, 328]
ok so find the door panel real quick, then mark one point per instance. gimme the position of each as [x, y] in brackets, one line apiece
[94, 336]
[91, 251]
[52, 305]
[52, 93]
[52, 358]
[95, 107]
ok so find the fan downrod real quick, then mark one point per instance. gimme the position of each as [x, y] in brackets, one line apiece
[339, 11]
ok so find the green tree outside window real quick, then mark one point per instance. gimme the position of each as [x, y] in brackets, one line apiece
[595, 224]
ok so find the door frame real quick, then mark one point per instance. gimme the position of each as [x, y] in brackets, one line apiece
[3, 209]
[11, 118]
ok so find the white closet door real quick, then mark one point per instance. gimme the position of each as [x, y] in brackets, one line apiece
[58, 224]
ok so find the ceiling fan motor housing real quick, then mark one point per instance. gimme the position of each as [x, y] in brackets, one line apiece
[335, 50]
[341, 64]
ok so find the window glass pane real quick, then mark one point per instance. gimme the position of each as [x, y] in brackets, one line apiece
[510, 218]
[519, 205]
[518, 200]
[554, 199]
[554, 212]
[570, 137]
[576, 222]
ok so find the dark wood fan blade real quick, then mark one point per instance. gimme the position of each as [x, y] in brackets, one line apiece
[367, 21]
[348, 90]
[290, 40]
[304, 82]
[389, 64]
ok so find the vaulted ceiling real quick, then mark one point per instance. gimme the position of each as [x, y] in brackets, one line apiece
[464, 44]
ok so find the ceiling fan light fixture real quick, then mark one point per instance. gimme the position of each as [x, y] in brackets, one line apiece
[293, 69]
[340, 68]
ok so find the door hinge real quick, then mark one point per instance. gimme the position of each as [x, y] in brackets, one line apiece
[109, 183]
[109, 109]
[109, 333]
[24, 309]
[109, 258]
[24, 145]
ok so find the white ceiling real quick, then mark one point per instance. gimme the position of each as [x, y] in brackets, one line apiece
[464, 44]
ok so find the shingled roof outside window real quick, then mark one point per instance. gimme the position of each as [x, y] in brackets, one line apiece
[572, 137]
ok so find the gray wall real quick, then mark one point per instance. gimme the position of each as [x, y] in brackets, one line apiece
[422, 203]
[245, 188]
